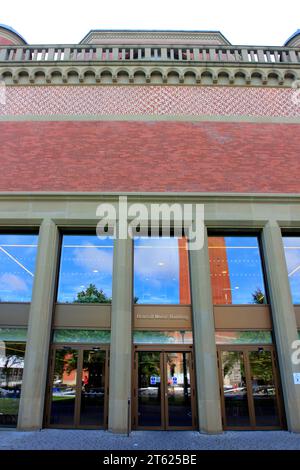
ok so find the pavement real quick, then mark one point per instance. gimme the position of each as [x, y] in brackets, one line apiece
[57, 439]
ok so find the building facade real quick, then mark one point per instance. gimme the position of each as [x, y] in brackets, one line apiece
[142, 332]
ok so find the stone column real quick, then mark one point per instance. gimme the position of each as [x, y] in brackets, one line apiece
[121, 343]
[284, 321]
[31, 409]
[208, 391]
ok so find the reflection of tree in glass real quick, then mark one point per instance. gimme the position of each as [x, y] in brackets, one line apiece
[261, 366]
[256, 337]
[93, 369]
[260, 362]
[158, 337]
[92, 295]
[258, 296]
[14, 357]
[232, 359]
[149, 365]
[81, 336]
[65, 361]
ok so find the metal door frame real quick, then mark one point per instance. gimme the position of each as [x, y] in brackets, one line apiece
[245, 349]
[80, 347]
[163, 350]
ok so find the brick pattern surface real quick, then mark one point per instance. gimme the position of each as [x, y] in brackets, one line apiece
[149, 156]
[149, 100]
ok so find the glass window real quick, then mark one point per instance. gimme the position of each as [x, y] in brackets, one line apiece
[13, 334]
[263, 388]
[235, 389]
[161, 271]
[64, 387]
[11, 374]
[243, 337]
[81, 336]
[17, 266]
[292, 256]
[163, 337]
[236, 270]
[85, 269]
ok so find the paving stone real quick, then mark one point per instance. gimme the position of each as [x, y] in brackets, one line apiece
[54, 439]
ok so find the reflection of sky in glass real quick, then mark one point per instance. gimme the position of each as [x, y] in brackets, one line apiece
[244, 268]
[17, 266]
[292, 256]
[85, 260]
[156, 270]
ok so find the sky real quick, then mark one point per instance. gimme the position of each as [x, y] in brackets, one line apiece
[66, 21]
[86, 259]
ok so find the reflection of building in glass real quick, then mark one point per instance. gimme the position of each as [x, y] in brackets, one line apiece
[219, 271]
[184, 280]
[233, 377]
[236, 270]
[161, 271]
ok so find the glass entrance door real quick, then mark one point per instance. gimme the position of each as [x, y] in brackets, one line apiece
[150, 410]
[78, 387]
[164, 390]
[251, 398]
[179, 397]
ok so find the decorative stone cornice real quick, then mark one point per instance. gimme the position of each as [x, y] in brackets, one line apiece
[155, 37]
[143, 74]
[149, 64]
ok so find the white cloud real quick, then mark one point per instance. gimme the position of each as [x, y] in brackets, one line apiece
[157, 262]
[90, 259]
[11, 282]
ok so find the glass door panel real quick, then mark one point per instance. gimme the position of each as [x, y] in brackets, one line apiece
[64, 386]
[11, 374]
[179, 404]
[149, 389]
[263, 388]
[93, 388]
[235, 389]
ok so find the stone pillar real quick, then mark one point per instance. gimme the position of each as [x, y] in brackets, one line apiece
[284, 321]
[206, 369]
[121, 343]
[31, 409]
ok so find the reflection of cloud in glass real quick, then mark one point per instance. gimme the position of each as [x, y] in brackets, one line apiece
[11, 282]
[159, 261]
[17, 265]
[292, 256]
[93, 258]
[85, 260]
[156, 270]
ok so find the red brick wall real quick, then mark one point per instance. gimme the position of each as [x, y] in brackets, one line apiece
[149, 156]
